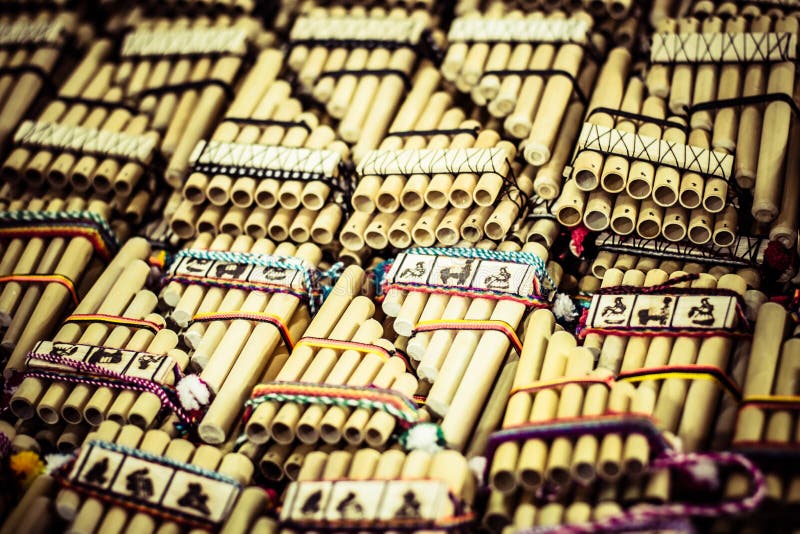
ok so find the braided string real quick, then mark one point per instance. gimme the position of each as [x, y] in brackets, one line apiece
[338, 344]
[267, 318]
[113, 319]
[61, 223]
[43, 279]
[102, 377]
[372, 398]
[469, 324]
[648, 514]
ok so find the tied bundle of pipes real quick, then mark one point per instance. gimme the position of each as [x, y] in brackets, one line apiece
[111, 484]
[676, 189]
[436, 179]
[175, 8]
[735, 77]
[358, 63]
[114, 329]
[537, 87]
[30, 49]
[340, 486]
[461, 364]
[51, 252]
[240, 332]
[682, 408]
[353, 356]
[270, 169]
[742, 258]
[614, 10]
[579, 505]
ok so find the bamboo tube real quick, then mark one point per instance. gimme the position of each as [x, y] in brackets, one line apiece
[438, 190]
[613, 348]
[520, 122]
[651, 216]
[726, 121]
[611, 446]
[641, 173]
[680, 94]
[699, 227]
[463, 188]
[597, 216]
[748, 141]
[624, 214]
[381, 424]
[556, 95]
[614, 175]
[706, 81]
[356, 422]
[666, 182]
[505, 99]
[569, 208]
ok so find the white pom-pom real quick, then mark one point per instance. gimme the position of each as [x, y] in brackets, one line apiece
[477, 464]
[55, 460]
[564, 308]
[193, 392]
[424, 437]
[704, 473]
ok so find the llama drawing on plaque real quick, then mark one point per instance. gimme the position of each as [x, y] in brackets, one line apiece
[499, 280]
[312, 503]
[459, 274]
[274, 273]
[415, 272]
[658, 315]
[350, 508]
[230, 270]
[702, 315]
[614, 314]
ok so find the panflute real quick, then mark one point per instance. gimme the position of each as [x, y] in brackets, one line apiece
[532, 72]
[383, 491]
[240, 304]
[460, 308]
[358, 63]
[722, 72]
[52, 252]
[131, 480]
[270, 169]
[30, 48]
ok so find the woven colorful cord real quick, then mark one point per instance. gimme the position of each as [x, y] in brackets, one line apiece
[392, 402]
[43, 279]
[24, 223]
[150, 509]
[310, 274]
[268, 318]
[337, 344]
[113, 320]
[644, 515]
[471, 324]
[98, 376]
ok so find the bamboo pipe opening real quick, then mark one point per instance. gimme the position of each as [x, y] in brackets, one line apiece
[569, 216]
[242, 198]
[699, 234]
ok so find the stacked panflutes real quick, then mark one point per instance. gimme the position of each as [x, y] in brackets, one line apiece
[461, 365]
[357, 63]
[296, 191]
[29, 53]
[436, 179]
[615, 9]
[86, 512]
[46, 269]
[117, 298]
[757, 59]
[534, 86]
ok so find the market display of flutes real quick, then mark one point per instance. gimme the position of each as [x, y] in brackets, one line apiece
[521, 266]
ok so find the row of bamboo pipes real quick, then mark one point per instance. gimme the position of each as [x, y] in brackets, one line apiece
[271, 422]
[56, 401]
[615, 9]
[364, 103]
[461, 365]
[763, 137]
[534, 108]
[37, 510]
[18, 91]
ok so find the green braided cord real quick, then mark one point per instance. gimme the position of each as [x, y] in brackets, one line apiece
[60, 216]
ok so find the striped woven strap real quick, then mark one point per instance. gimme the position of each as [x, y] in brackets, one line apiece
[338, 344]
[114, 320]
[268, 318]
[43, 279]
[475, 325]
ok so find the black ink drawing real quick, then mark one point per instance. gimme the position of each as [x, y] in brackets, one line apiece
[660, 315]
[614, 314]
[410, 506]
[195, 265]
[97, 473]
[139, 484]
[702, 315]
[350, 508]
[460, 274]
[311, 506]
[274, 273]
[64, 350]
[499, 280]
[195, 498]
[146, 359]
[106, 356]
[416, 272]
[230, 270]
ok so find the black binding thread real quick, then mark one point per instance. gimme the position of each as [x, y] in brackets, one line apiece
[428, 133]
[98, 103]
[269, 122]
[541, 72]
[336, 74]
[187, 86]
[767, 98]
[639, 118]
